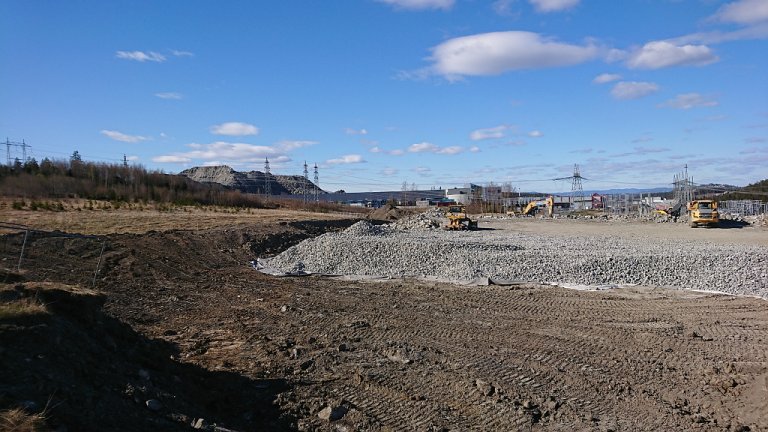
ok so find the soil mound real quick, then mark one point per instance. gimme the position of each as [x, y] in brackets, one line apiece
[388, 212]
[83, 370]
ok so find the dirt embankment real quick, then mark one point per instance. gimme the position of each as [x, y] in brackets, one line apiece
[246, 351]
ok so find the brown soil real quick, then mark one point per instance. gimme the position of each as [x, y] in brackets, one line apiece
[181, 318]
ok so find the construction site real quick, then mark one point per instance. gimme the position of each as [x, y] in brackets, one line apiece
[551, 312]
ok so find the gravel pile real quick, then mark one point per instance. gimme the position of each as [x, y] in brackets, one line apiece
[422, 221]
[386, 251]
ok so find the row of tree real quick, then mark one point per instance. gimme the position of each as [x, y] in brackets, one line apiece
[75, 178]
[754, 191]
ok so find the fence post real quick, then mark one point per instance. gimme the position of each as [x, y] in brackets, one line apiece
[23, 246]
[98, 265]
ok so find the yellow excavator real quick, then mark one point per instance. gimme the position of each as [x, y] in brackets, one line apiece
[533, 206]
[703, 212]
[458, 219]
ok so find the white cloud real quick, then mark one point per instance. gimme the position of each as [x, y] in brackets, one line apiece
[140, 56]
[119, 136]
[423, 171]
[451, 150]
[633, 90]
[606, 78]
[688, 101]
[743, 12]
[640, 151]
[535, 134]
[377, 149]
[132, 158]
[427, 147]
[488, 133]
[389, 171]
[499, 52]
[178, 53]
[503, 7]
[171, 159]
[642, 139]
[287, 145]
[553, 5]
[234, 129]
[346, 159]
[661, 54]
[170, 95]
[474, 149]
[423, 147]
[227, 151]
[420, 4]
[350, 131]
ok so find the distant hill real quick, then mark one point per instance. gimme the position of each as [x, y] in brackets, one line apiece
[754, 191]
[252, 181]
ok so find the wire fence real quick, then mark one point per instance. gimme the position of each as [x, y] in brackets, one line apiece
[51, 255]
[743, 207]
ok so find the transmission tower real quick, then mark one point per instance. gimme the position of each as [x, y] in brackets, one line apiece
[267, 182]
[304, 190]
[317, 184]
[22, 144]
[576, 187]
[683, 187]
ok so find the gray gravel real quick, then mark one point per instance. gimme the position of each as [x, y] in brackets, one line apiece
[391, 251]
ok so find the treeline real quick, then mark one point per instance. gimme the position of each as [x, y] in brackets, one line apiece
[754, 191]
[57, 179]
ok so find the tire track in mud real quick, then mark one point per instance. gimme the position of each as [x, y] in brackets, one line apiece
[603, 356]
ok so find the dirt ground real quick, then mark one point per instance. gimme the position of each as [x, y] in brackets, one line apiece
[180, 318]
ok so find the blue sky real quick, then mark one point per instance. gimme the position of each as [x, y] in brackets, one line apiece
[436, 93]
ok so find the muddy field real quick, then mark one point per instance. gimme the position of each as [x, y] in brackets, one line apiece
[179, 331]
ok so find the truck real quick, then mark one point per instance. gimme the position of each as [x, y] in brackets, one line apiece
[703, 212]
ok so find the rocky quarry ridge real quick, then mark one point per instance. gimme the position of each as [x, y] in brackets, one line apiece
[416, 247]
[251, 181]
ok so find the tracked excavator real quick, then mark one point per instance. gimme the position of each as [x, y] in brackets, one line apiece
[533, 206]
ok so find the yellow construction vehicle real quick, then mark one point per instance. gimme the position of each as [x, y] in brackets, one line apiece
[533, 206]
[672, 212]
[458, 219]
[703, 212]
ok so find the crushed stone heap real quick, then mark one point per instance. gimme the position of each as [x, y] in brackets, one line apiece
[365, 249]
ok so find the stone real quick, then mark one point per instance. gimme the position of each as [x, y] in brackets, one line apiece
[485, 388]
[332, 413]
[154, 404]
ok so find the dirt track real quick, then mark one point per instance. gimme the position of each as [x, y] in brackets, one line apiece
[406, 355]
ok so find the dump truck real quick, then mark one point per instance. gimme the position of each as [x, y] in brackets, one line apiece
[703, 212]
[458, 219]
